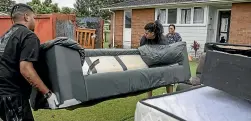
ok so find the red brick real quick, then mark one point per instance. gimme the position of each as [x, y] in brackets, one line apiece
[118, 33]
[240, 28]
[140, 17]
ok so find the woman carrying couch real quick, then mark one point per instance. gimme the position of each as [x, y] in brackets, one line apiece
[154, 35]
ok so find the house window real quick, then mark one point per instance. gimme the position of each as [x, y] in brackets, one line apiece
[172, 16]
[198, 17]
[193, 15]
[186, 16]
[162, 16]
[128, 22]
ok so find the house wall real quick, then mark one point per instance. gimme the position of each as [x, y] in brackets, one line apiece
[212, 25]
[118, 33]
[192, 32]
[140, 17]
[240, 28]
[202, 33]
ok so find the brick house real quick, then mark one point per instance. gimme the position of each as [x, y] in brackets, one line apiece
[200, 20]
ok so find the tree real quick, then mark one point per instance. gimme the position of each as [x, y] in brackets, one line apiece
[6, 5]
[92, 8]
[55, 8]
[45, 7]
[47, 3]
[67, 10]
[82, 7]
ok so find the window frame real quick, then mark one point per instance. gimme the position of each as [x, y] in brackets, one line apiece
[178, 17]
[204, 14]
[191, 15]
[158, 12]
[124, 19]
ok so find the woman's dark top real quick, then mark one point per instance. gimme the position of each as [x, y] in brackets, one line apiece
[145, 41]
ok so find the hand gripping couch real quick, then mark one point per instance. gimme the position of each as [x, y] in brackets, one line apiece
[78, 75]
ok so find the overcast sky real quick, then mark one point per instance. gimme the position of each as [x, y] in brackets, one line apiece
[61, 3]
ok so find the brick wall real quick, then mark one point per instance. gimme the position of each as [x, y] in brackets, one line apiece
[119, 21]
[140, 17]
[118, 34]
[240, 28]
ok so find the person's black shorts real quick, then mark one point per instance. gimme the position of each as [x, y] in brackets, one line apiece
[15, 109]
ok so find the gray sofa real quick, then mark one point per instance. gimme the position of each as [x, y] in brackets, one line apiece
[60, 69]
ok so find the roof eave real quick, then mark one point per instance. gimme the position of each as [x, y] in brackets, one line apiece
[151, 5]
[183, 3]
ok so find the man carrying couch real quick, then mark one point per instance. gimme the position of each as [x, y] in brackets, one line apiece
[19, 50]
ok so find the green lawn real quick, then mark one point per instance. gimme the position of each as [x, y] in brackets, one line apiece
[121, 109]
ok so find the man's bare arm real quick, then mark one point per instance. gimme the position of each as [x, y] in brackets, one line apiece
[30, 74]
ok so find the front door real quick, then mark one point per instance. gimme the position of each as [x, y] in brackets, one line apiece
[127, 34]
[224, 25]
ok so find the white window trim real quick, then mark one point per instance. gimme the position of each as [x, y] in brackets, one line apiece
[167, 14]
[191, 21]
[128, 10]
[156, 13]
[178, 19]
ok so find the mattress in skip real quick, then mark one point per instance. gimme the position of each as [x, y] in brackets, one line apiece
[197, 104]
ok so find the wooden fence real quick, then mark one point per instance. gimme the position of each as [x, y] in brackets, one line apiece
[86, 37]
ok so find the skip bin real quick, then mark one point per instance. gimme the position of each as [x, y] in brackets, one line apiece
[48, 26]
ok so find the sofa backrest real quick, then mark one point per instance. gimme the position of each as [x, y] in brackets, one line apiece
[115, 52]
[185, 63]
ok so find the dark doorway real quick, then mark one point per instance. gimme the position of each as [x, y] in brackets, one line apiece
[224, 26]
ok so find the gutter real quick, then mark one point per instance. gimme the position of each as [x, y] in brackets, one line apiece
[149, 5]
[113, 28]
[175, 3]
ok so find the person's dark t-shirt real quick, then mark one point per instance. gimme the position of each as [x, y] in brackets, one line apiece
[145, 41]
[16, 45]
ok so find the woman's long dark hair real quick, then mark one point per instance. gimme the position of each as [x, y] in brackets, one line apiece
[155, 27]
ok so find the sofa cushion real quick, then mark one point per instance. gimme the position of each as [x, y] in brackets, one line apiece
[106, 64]
[162, 54]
